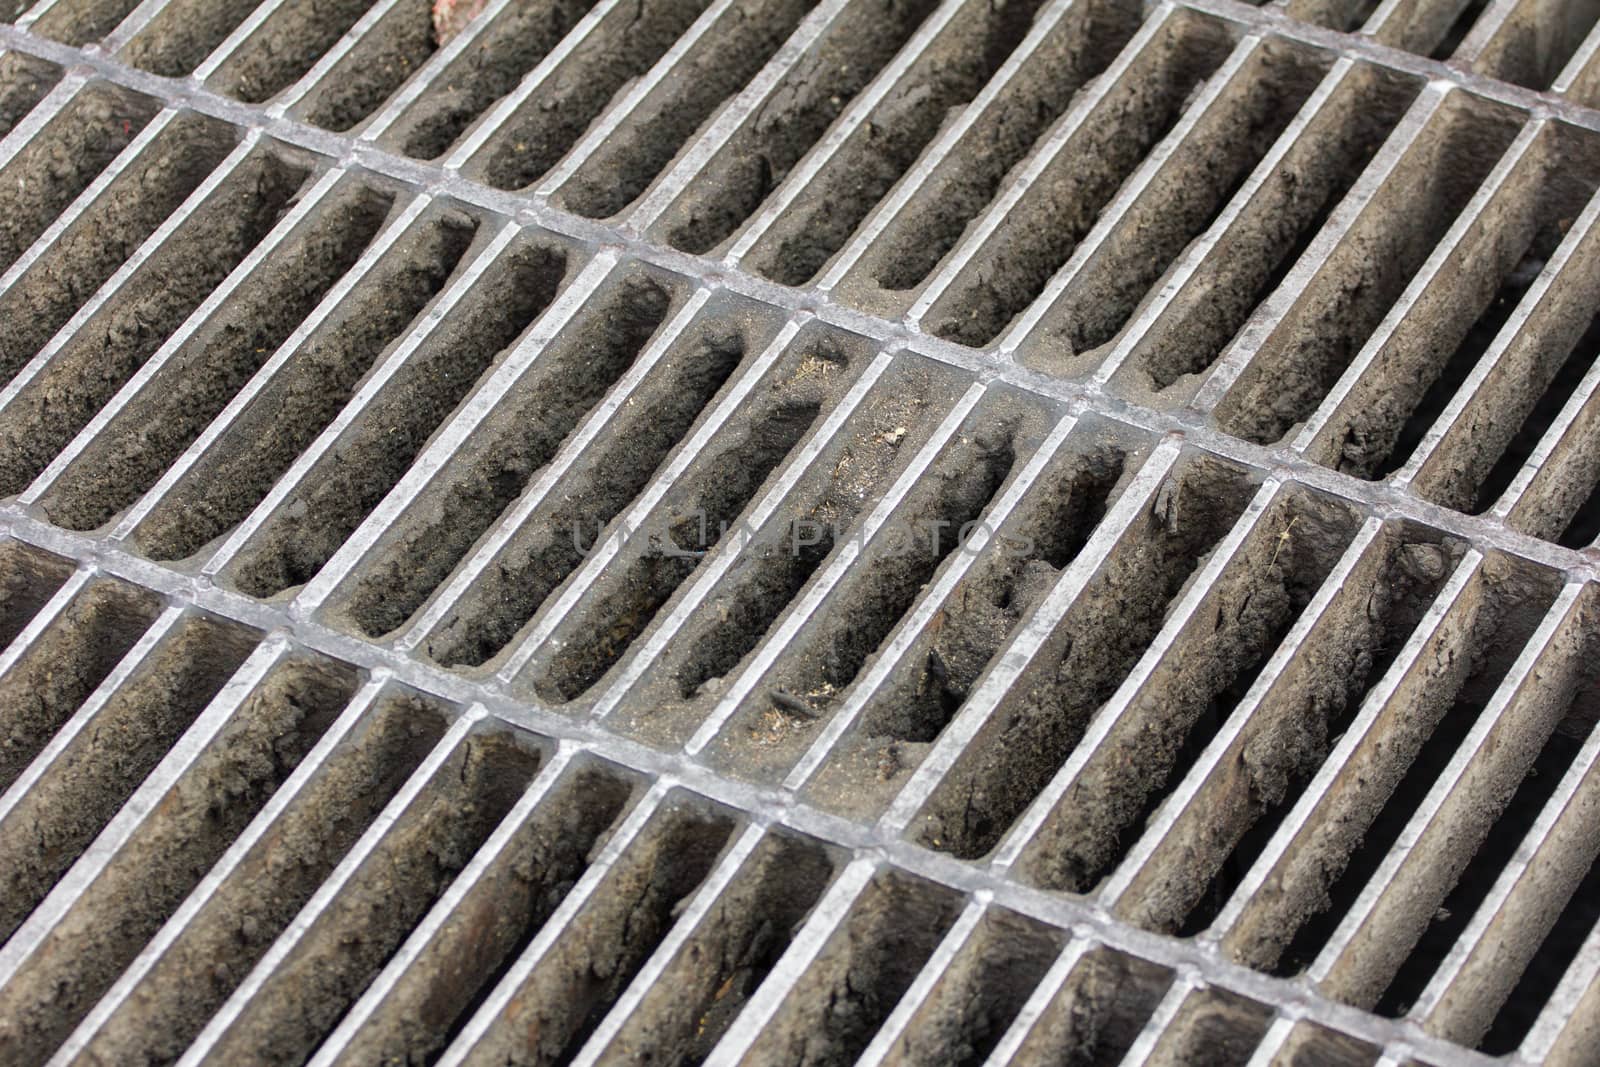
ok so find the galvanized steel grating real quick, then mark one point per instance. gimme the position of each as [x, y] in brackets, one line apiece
[896, 531]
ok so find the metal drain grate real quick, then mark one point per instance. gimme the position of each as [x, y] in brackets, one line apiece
[897, 531]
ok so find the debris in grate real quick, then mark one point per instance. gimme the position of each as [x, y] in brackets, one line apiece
[858, 530]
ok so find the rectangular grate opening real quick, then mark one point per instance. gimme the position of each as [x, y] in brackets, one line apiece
[373, 68]
[1474, 293]
[54, 674]
[1106, 138]
[189, 827]
[284, 46]
[1082, 44]
[931, 525]
[1415, 752]
[299, 993]
[1346, 299]
[740, 940]
[550, 545]
[1104, 1003]
[941, 668]
[1207, 669]
[827, 508]
[964, 57]
[722, 62]
[792, 119]
[48, 172]
[477, 335]
[1084, 659]
[1289, 729]
[98, 758]
[100, 239]
[82, 369]
[29, 577]
[508, 903]
[854, 983]
[702, 510]
[551, 119]
[24, 81]
[308, 390]
[571, 984]
[210, 947]
[1214, 156]
[174, 404]
[548, 401]
[498, 56]
[1535, 39]
[1292, 205]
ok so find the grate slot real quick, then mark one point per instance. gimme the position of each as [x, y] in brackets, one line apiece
[307, 390]
[45, 168]
[562, 988]
[180, 34]
[271, 870]
[616, 171]
[1455, 306]
[78, 22]
[1216, 821]
[327, 503]
[282, 46]
[834, 1007]
[1214, 643]
[972, 996]
[550, 544]
[1337, 807]
[522, 435]
[700, 508]
[525, 142]
[43, 294]
[97, 759]
[489, 57]
[1088, 1009]
[1200, 1027]
[1446, 858]
[74, 644]
[949, 189]
[1529, 925]
[1093, 647]
[379, 61]
[1247, 252]
[688, 1003]
[947, 73]
[1346, 16]
[832, 504]
[28, 579]
[172, 404]
[1528, 42]
[301, 988]
[24, 82]
[1289, 1043]
[1403, 214]
[840, 621]
[1414, 755]
[1176, 196]
[941, 666]
[121, 327]
[791, 119]
[1531, 370]
[1100, 143]
[244, 754]
[495, 909]
[1431, 28]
